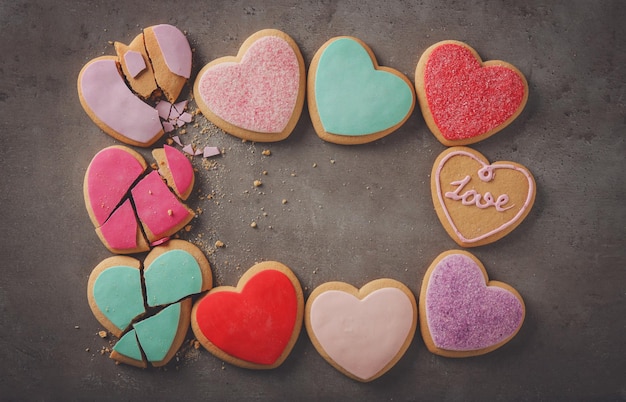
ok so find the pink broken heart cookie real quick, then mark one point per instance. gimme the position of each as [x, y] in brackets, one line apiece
[462, 312]
[476, 201]
[132, 206]
[363, 332]
[256, 324]
[118, 92]
[148, 306]
[463, 99]
[257, 95]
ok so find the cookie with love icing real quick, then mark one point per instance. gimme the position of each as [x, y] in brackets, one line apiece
[115, 91]
[462, 312]
[256, 324]
[131, 205]
[353, 100]
[362, 332]
[152, 324]
[463, 99]
[257, 95]
[476, 201]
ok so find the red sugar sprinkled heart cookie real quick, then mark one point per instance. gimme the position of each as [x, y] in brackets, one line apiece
[463, 99]
[464, 314]
[256, 324]
[478, 202]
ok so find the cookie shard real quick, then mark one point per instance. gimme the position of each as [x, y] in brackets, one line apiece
[256, 324]
[353, 100]
[176, 169]
[463, 99]
[259, 94]
[363, 332]
[114, 108]
[170, 55]
[462, 313]
[121, 233]
[142, 82]
[127, 350]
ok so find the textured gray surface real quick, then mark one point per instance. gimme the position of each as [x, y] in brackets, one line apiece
[367, 215]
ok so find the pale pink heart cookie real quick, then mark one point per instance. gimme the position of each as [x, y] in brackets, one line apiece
[476, 201]
[132, 209]
[462, 312]
[259, 94]
[361, 332]
[463, 99]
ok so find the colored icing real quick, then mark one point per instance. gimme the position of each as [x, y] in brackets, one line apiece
[259, 93]
[120, 230]
[467, 99]
[352, 97]
[465, 314]
[117, 293]
[181, 169]
[134, 62]
[129, 346]
[156, 334]
[255, 325]
[112, 102]
[362, 336]
[175, 49]
[111, 173]
[172, 276]
[157, 208]
[486, 171]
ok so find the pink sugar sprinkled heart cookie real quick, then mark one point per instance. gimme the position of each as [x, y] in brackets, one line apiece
[361, 332]
[464, 314]
[259, 94]
[463, 99]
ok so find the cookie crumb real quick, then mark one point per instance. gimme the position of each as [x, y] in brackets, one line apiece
[265, 173]
[258, 183]
[102, 334]
[219, 244]
[253, 225]
[170, 212]
[284, 201]
[76, 327]
[266, 152]
[315, 165]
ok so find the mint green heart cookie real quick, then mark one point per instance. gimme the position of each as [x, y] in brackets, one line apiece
[351, 96]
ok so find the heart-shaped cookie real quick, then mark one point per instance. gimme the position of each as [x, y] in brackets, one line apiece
[130, 208]
[151, 324]
[256, 324]
[156, 64]
[478, 202]
[361, 332]
[464, 314]
[259, 94]
[353, 100]
[463, 99]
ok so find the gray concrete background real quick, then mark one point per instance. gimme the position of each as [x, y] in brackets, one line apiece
[367, 215]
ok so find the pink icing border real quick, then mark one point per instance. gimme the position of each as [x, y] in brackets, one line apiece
[488, 166]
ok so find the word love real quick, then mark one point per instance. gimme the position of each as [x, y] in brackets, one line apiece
[471, 197]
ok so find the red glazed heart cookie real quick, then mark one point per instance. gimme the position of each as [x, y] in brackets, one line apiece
[361, 332]
[130, 208]
[256, 324]
[463, 99]
[259, 94]
[478, 202]
[462, 312]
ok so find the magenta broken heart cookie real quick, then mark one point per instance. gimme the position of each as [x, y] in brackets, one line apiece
[151, 325]
[133, 206]
[257, 95]
[476, 201]
[361, 332]
[462, 312]
[117, 91]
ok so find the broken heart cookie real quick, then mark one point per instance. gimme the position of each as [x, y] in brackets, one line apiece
[361, 332]
[257, 95]
[476, 201]
[462, 312]
[130, 205]
[463, 99]
[151, 325]
[256, 324]
[353, 100]
[155, 65]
